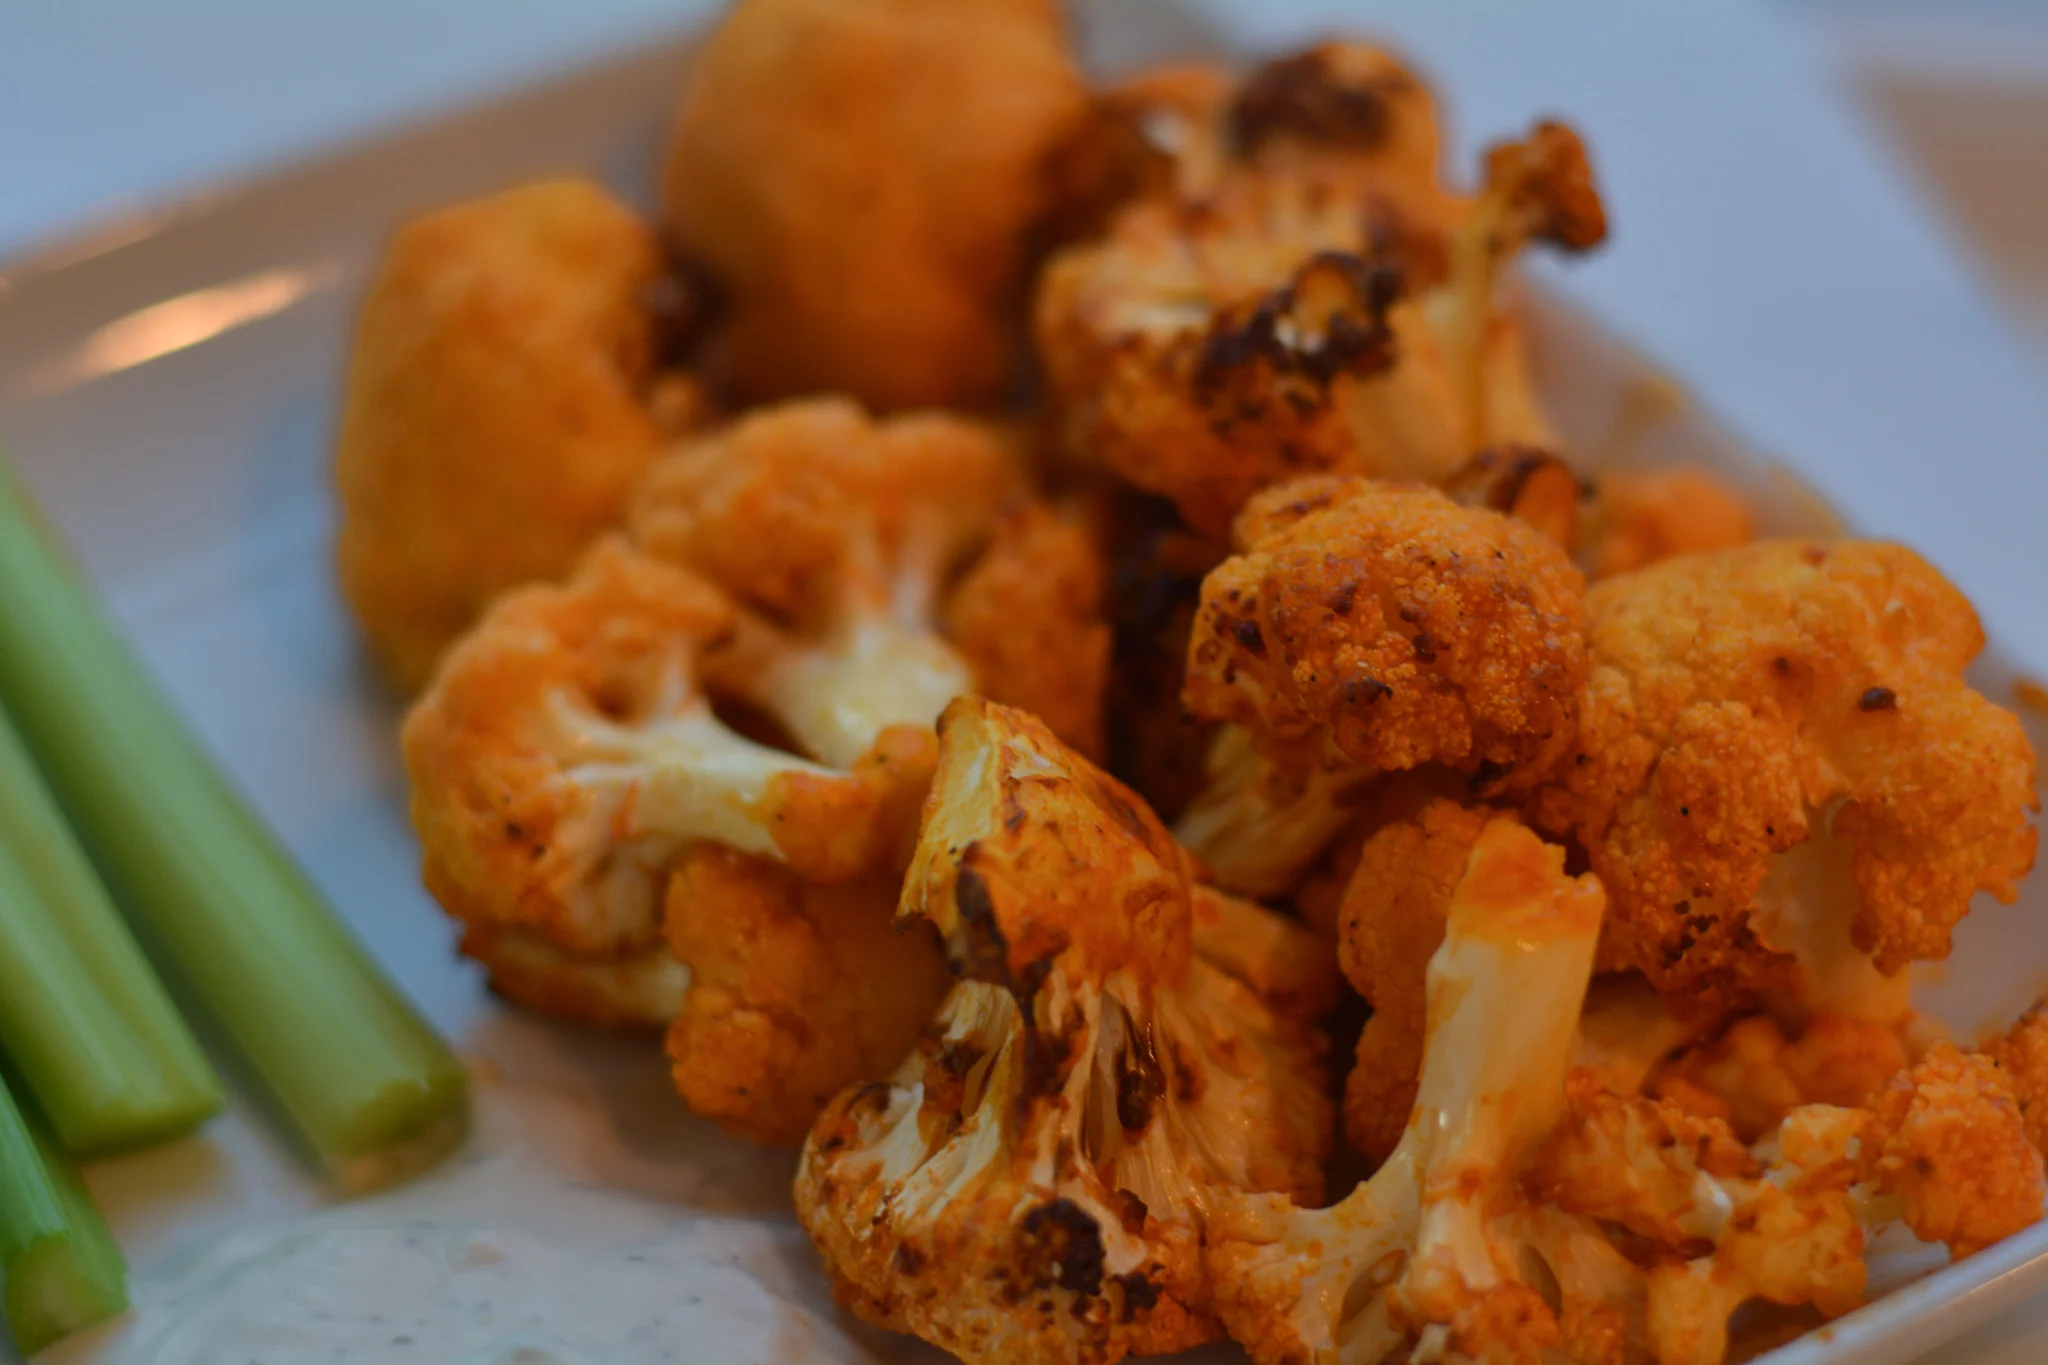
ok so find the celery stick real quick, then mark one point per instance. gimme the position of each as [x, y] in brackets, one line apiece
[362, 1079]
[90, 1029]
[60, 1270]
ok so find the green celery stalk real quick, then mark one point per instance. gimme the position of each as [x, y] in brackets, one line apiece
[364, 1081]
[90, 1030]
[60, 1269]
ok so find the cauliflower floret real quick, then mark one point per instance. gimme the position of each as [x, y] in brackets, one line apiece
[499, 408]
[862, 181]
[796, 989]
[1639, 516]
[1342, 111]
[1348, 110]
[1288, 323]
[1029, 619]
[1292, 968]
[1260, 825]
[838, 535]
[1948, 1142]
[1204, 350]
[1539, 189]
[1941, 1147]
[2023, 1051]
[1427, 1256]
[1389, 927]
[1032, 1184]
[566, 754]
[1753, 1075]
[1395, 627]
[1781, 777]
[1523, 482]
[1155, 133]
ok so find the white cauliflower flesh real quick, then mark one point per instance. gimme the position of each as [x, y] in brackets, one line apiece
[1033, 1183]
[1418, 1259]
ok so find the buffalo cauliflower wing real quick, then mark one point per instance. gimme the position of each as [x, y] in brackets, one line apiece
[1033, 1182]
[797, 990]
[1523, 482]
[1781, 777]
[567, 754]
[1753, 1073]
[500, 406]
[1389, 625]
[1341, 110]
[1294, 323]
[2022, 1051]
[838, 536]
[1639, 516]
[1786, 1220]
[1530, 1213]
[860, 182]
[1429, 1258]
[1389, 926]
[1030, 618]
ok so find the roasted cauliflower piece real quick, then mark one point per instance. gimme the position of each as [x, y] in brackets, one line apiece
[1719, 1224]
[1538, 189]
[1781, 777]
[1259, 824]
[1947, 1141]
[1523, 482]
[838, 535]
[1033, 1183]
[1639, 516]
[797, 989]
[1429, 1258]
[567, 754]
[1343, 111]
[1031, 620]
[1530, 1213]
[2022, 1051]
[1389, 927]
[1294, 323]
[1753, 1074]
[861, 182]
[1390, 626]
[1204, 350]
[500, 405]
[1347, 110]
[1366, 627]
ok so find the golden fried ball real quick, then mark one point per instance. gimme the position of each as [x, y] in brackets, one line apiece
[497, 408]
[861, 180]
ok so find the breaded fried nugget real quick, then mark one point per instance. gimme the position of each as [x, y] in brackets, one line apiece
[1781, 776]
[497, 410]
[861, 181]
[796, 989]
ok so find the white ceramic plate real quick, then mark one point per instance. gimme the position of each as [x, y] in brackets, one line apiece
[168, 387]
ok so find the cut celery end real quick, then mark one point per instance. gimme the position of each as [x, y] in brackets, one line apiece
[221, 907]
[60, 1269]
[89, 1028]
